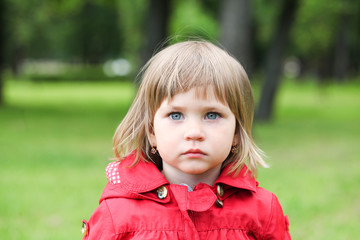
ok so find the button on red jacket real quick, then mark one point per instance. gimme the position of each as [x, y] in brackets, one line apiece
[131, 207]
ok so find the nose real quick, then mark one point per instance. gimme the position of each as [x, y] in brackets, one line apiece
[194, 131]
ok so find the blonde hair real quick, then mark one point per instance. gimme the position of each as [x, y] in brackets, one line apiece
[179, 68]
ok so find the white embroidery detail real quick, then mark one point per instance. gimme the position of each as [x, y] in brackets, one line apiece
[112, 173]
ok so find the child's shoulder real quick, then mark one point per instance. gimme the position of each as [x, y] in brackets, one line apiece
[264, 194]
[268, 203]
[266, 198]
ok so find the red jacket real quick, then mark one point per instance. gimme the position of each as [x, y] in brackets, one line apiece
[139, 203]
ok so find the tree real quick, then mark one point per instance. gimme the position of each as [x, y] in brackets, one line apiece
[156, 26]
[236, 28]
[274, 57]
[346, 43]
[2, 43]
[82, 30]
[326, 38]
[96, 36]
[342, 51]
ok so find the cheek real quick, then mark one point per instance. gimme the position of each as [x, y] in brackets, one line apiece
[165, 137]
[162, 133]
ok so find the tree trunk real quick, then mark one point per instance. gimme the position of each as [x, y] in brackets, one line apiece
[156, 26]
[2, 43]
[236, 25]
[341, 59]
[274, 58]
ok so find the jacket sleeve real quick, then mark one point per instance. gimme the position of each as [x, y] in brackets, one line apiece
[100, 225]
[278, 225]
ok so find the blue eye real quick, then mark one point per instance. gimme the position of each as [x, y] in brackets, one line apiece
[212, 115]
[175, 116]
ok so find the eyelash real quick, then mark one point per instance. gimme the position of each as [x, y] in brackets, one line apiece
[172, 114]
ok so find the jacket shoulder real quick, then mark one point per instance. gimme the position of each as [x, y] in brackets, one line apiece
[100, 224]
[275, 224]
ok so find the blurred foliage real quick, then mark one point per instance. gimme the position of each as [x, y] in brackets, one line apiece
[81, 30]
[317, 24]
[131, 18]
[93, 31]
[189, 19]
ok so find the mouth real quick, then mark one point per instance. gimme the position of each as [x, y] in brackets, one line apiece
[194, 153]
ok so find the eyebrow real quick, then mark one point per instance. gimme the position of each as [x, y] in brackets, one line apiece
[207, 108]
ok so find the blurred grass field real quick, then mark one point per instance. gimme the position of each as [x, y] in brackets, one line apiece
[56, 140]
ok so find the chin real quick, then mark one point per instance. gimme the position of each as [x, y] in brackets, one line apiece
[195, 171]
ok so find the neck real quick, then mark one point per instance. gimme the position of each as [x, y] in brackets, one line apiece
[175, 176]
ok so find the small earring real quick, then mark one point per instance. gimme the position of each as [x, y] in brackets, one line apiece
[234, 149]
[153, 150]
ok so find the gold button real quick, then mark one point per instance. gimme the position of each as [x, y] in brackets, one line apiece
[84, 229]
[219, 203]
[220, 189]
[162, 192]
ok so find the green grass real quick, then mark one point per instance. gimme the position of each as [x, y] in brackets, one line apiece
[56, 139]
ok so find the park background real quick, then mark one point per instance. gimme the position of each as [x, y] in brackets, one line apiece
[68, 76]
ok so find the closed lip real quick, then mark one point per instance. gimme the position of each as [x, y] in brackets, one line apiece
[194, 152]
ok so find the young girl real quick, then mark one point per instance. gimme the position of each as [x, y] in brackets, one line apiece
[186, 159]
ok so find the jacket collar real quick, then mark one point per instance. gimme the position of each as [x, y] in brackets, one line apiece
[142, 177]
[244, 180]
[145, 177]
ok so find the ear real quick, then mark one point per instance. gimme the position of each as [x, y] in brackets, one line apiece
[152, 139]
[236, 138]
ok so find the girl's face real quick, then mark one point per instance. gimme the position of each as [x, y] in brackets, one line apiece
[193, 135]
